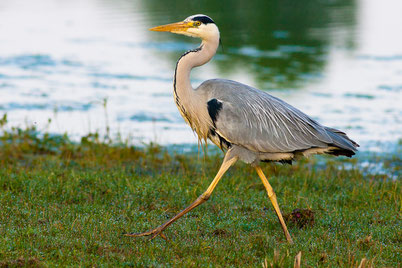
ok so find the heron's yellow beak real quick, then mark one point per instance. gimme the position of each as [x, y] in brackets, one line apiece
[177, 27]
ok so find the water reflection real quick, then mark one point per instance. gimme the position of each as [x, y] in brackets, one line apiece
[280, 43]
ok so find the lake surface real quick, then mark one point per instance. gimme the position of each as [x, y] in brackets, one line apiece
[91, 64]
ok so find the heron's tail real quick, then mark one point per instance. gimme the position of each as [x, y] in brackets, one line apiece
[344, 145]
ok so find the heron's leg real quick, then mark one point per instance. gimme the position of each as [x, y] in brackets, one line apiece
[272, 197]
[227, 162]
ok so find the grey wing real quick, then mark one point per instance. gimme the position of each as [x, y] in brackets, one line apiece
[261, 122]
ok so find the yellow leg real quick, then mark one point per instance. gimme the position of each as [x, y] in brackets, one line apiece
[227, 162]
[272, 197]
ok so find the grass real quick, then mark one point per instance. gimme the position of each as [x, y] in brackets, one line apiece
[68, 204]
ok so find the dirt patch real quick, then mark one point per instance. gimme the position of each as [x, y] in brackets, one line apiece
[300, 217]
[221, 232]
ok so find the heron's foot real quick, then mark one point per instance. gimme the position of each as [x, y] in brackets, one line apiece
[152, 234]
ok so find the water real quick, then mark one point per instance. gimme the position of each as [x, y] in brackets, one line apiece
[338, 61]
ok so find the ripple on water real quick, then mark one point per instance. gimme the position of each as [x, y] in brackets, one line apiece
[164, 46]
[359, 96]
[32, 61]
[322, 94]
[390, 87]
[46, 106]
[6, 85]
[149, 117]
[125, 76]
[19, 77]
[282, 52]
[297, 49]
[280, 34]
[103, 85]
[256, 53]
[380, 58]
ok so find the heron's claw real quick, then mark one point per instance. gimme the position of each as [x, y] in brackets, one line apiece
[160, 234]
[153, 233]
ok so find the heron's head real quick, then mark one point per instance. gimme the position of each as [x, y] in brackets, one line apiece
[199, 25]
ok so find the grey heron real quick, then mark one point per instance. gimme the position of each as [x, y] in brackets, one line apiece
[246, 123]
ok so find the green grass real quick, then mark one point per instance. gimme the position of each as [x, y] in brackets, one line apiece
[68, 204]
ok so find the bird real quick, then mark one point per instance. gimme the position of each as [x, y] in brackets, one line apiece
[246, 123]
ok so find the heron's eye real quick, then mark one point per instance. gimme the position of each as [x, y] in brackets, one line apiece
[197, 23]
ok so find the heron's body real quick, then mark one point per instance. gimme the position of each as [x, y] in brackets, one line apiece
[258, 125]
[247, 123]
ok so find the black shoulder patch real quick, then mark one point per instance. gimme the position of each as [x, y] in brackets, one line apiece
[203, 19]
[214, 107]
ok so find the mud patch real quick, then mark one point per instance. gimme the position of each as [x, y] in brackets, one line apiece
[300, 217]
[221, 233]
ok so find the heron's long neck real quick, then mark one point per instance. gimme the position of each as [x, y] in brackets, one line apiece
[182, 85]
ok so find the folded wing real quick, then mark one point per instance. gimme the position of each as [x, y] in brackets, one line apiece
[263, 123]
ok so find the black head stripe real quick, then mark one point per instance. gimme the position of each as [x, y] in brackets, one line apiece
[203, 19]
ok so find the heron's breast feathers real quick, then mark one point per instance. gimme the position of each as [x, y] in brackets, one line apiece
[196, 116]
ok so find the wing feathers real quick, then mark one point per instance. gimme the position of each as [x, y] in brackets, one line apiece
[263, 123]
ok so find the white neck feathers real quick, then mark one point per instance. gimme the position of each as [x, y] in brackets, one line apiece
[186, 101]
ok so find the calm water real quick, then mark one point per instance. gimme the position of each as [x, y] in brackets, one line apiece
[338, 61]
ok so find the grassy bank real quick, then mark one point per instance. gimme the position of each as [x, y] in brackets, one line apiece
[64, 203]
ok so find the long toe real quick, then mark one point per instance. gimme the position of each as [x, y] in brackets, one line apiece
[139, 234]
[160, 234]
[153, 233]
